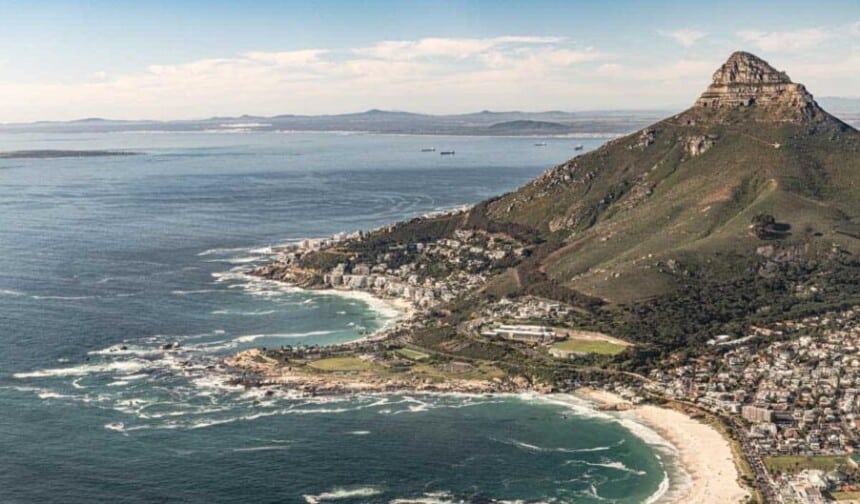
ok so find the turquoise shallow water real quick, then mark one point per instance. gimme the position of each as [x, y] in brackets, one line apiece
[104, 260]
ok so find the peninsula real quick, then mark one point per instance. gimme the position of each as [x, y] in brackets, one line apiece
[707, 262]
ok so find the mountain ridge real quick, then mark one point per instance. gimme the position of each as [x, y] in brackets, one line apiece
[739, 212]
[754, 143]
[371, 121]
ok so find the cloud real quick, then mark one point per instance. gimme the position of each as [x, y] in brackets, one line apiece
[458, 48]
[287, 58]
[831, 75]
[686, 37]
[785, 41]
[678, 70]
[433, 74]
[610, 69]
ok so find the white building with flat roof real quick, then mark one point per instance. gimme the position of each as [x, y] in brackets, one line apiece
[526, 333]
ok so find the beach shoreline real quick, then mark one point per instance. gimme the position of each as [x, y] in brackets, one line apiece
[390, 309]
[702, 469]
[702, 452]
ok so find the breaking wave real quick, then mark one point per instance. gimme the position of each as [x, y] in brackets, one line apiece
[343, 493]
[85, 369]
[248, 338]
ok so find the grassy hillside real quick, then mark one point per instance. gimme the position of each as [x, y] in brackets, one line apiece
[744, 209]
[632, 211]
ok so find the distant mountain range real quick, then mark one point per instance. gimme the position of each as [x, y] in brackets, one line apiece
[380, 121]
[511, 123]
[743, 209]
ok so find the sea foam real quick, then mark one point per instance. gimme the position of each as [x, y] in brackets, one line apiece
[343, 493]
[248, 338]
[85, 369]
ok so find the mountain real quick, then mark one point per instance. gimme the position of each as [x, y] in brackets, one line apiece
[754, 167]
[376, 121]
[523, 126]
[743, 209]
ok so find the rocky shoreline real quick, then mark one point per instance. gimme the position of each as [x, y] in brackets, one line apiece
[255, 368]
[709, 477]
[702, 479]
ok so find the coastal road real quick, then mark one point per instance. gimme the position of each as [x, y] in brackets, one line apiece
[763, 482]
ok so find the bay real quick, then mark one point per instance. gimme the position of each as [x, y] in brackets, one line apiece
[104, 261]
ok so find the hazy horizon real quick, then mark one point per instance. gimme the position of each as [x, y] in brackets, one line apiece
[669, 108]
[666, 109]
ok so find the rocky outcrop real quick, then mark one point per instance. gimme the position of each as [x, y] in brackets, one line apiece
[257, 367]
[646, 138]
[698, 144]
[291, 274]
[745, 80]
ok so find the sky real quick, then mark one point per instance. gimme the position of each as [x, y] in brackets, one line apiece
[194, 59]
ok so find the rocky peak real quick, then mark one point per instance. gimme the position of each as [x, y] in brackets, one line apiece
[743, 68]
[746, 80]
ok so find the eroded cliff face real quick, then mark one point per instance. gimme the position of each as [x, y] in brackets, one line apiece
[745, 80]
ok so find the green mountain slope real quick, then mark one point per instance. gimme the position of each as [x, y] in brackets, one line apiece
[642, 214]
[742, 210]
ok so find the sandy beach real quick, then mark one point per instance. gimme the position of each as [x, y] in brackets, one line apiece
[703, 452]
[390, 310]
[709, 474]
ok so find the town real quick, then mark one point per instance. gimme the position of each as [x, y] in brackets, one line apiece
[422, 274]
[788, 392]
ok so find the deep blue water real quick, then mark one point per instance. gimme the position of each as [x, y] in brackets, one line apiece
[103, 260]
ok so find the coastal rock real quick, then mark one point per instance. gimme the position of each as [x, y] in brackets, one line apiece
[521, 382]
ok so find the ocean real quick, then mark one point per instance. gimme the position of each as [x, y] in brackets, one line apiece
[103, 261]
